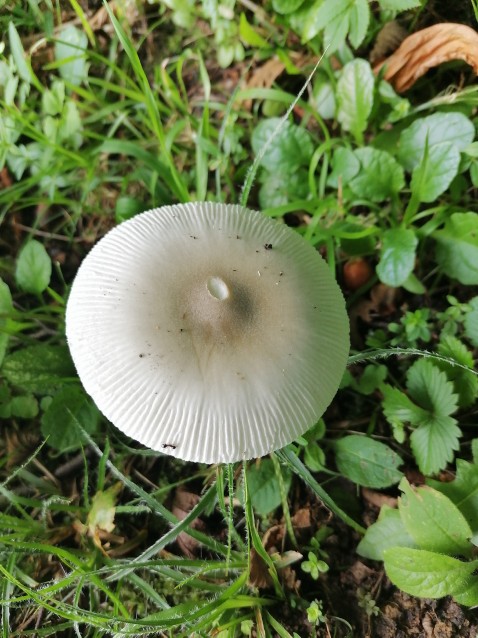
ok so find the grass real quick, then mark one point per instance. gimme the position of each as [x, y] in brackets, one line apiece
[101, 537]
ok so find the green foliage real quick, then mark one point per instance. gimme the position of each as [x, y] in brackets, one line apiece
[264, 486]
[355, 89]
[457, 247]
[367, 462]
[33, 270]
[427, 408]
[397, 256]
[420, 542]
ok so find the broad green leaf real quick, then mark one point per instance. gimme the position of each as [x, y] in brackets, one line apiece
[331, 16]
[6, 308]
[70, 408]
[398, 5]
[345, 165]
[278, 189]
[33, 269]
[359, 19]
[372, 377]
[380, 175]
[367, 462]
[24, 407]
[397, 257]
[469, 598]
[470, 322]
[285, 6]
[127, 207]
[264, 487]
[465, 383]
[463, 491]
[388, 531]
[427, 574]
[250, 36]
[70, 51]
[436, 171]
[434, 443]
[433, 521]
[290, 149]
[314, 457]
[433, 130]
[41, 369]
[18, 54]
[429, 387]
[355, 89]
[457, 248]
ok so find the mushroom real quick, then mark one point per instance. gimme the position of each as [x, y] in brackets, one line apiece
[208, 331]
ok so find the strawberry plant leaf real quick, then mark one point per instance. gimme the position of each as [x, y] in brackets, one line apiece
[434, 442]
[433, 521]
[427, 574]
[465, 383]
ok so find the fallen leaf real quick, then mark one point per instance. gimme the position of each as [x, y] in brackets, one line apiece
[428, 48]
[378, 498]
[259, 572]
[388, 39]
[183, 503]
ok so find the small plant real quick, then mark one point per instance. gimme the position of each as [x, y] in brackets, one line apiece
[315, 613]
[314, 566]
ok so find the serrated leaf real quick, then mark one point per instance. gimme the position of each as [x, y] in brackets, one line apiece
[463, 491]
[465, 383]
[430, 388]
[380, 175]
[359, 19]
[433, 521]
[434, 443]
[427, 574]
[388, 531]
[33, 270]
[433, 130]
[39, 369]
[397, 257]
[436, 171]
[355, 89]
[457, 248]
[470, 322]
[263, 485]
[69, 410]
[399, 409]
[367, 462]
[291, 148]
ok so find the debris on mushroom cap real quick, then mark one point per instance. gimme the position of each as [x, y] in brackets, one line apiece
[208, 331]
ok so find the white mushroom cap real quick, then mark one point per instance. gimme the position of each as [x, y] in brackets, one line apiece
[208, 331]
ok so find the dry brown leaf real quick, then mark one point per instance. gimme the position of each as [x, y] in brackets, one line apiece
[183, 503]
[428, 48]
